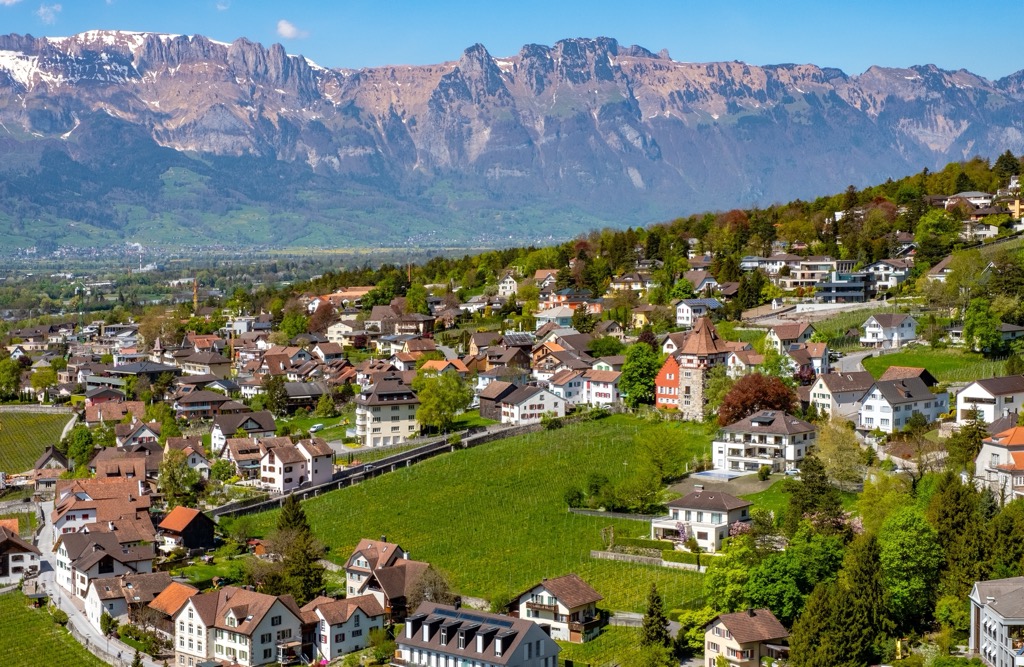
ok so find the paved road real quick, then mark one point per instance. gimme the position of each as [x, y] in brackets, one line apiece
[73, 607]
[852, 362]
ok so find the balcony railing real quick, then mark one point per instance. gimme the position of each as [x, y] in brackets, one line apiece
[587, 626]
[537, 606]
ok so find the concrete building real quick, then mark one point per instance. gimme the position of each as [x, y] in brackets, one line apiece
[997, 621]
[386, 412]
[704, 515]
[766, 438]
[566, 604]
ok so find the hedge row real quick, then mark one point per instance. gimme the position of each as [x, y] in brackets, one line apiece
[641, 543]
[673, 556]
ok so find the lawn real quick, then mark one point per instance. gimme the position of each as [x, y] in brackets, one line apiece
[776, 498]
[493, 517]
[617, 645]
[26, 522]
[334, 427]
[834, 328]
[374, 454]
[947, 365]
[201, 575]
[24, 436]
[30, 637]
[471, 419]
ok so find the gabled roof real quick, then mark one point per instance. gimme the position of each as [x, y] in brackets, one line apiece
[179, 519]
[775, 422]
[703, 340]
[173, 598]
[839, 383]
[399, 580]
[563, 377]
[888, 320]
[497, 390]
[902, 372]
[337, 612]
[755, 625]
[716, 501]
[1001, 386]
[571, 590]
[1011, 437]
[11, 541]
[230, 423]
[791, 331]
[908, 390]
[249, 607]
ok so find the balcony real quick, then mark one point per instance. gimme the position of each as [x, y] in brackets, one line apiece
[588, 625]
[537, 606]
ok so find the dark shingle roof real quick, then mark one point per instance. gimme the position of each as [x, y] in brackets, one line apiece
[718, 501]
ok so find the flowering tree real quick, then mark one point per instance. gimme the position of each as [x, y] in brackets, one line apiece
[739, 528]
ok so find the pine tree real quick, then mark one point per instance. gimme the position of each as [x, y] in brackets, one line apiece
[654, 631]
[868, 623]
[957, 512]
[137, 660]
[293, 517]
[814, 498]
[302, 568]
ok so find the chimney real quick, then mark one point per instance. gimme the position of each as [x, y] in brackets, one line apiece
[458, 603]
[383, 538]
[110, 526]
[989, 600]
[750, 612]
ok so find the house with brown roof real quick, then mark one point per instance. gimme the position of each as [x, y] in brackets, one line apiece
[999, 465]
[745, 637]
[48, 468]
[286, 467]
[680, 381]
[123, 597]
[17, 557]
[167, 603]
[601, 387]
[461, 636]
[528, 405]
[383, 569]
[79, 503]
[904, 372]
[782, 336]
[839, 394]
[255, 424]
[113, 412]
[889, 405]
[235, 625]
[492, 395]
[704, 515]
[766, 438]
[566, 604]
[342, 626]
[990, 399]
[188, 528]
[82, 557]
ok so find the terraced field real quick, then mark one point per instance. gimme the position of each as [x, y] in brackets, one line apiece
[24, 436]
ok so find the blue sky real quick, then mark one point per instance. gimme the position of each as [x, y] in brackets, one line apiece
[849, 34]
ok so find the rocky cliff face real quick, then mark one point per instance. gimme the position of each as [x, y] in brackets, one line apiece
[598, 130]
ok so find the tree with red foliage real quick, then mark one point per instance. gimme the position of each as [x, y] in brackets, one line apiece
[322, 318]
[752, 393]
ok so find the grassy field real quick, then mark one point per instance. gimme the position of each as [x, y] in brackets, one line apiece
[835, 327]
[30, 637]
[776, 497]
[947, 365]
[471, 418]
[26, 522]
[493, 517]
[616, 646]
[24, 436]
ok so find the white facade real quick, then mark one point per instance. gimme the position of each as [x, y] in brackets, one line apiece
[997, 624]
[879, 332]
[992, 399]
[709, 527]
[532, 409]
[746, 449]
[877, 412]
[334, 641]
[96, 604]
[195, 642]
[570, 389]
[580, 623]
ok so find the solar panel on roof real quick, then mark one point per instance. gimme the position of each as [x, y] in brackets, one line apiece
[459, 614]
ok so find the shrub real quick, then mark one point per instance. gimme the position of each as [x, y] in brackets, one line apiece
[455, 439]
[673, 556]
[573, 497]
[59, 616]
[887, 465]
[500, 602]
[641, 543]
[764, 472]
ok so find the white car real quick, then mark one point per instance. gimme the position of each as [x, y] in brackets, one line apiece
[316, 427]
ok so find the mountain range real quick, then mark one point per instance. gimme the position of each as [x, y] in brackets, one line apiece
[109, 136]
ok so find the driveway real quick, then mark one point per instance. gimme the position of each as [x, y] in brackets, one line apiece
[853, 362]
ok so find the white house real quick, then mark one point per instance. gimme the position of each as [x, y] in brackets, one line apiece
[996, 617]
[287, 467]
[839, 394]
[991, 398]
[442, 635]
[507, 286]
[82, 557]
[238, 626]
[601, 387]
[889, 404]
[765, 438]
[888, 330]
[344, 626]
[17, 557]
[119, 596]
[704, 515]
[999, 465]
[689, 311]
[255, 424]
[888, 273]
[527, 405]
[782, 336]
[566, 604]
[568, 385]
[749, 637]
[386, 412]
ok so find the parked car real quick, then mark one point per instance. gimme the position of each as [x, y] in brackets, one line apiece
[316, 427]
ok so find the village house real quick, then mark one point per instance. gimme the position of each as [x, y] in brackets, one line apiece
[187, 528]
[601, 387]
[889, 404]
[568, 385]
[82, 557]
[386, 412]
[238, 626]
[18, 558]
[703, 515]
[888, 330]
[990, 399]
[122, 597]
[889, 273]
[681, 379]
[343, 626]
[783, 336]
[255, 425]
[82, 502]
[766, 438]
[996, 617]
[48, 468]
[567, 605]
[839, 394]
[443, 635]
[491, 396]
[999, 465]
[287, 467]
[384, 570]
[745, 637]
[507, 286]
[528, 405]
[206, 363]
[689, 311]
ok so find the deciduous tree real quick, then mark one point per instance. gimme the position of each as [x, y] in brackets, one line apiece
[638, 374]
[839, 452]
[910, 557]
[752, 393]
[178, 482]
[442, 397]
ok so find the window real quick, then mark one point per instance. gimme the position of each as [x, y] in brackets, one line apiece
[265, 638]
[340, 637]
[357, 633]
[267, 653]
[275, 620]
[355, 620]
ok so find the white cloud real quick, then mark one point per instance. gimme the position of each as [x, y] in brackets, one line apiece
[289, 30]
[8, 3]
[223, 5]
[48, 13]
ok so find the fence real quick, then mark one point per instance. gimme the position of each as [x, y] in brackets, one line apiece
[346, 478]
[612, 515]
[644, 560]
[44, 409]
